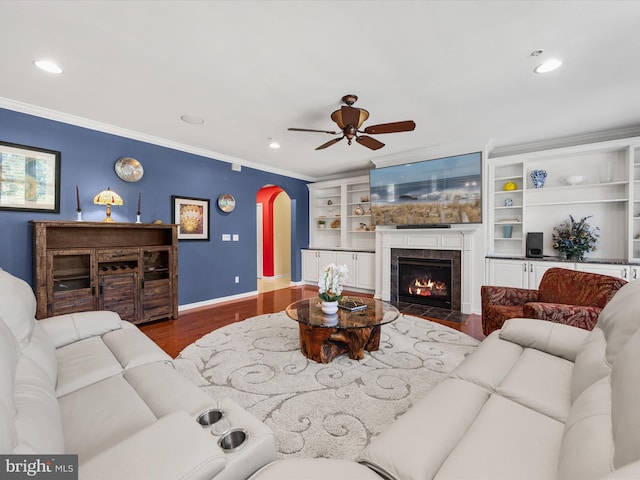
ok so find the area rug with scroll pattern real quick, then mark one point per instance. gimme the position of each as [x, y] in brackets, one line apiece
[319, 410]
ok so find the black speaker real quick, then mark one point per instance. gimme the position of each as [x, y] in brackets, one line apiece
[534, 245]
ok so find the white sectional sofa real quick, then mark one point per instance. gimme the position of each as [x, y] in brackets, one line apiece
[92, 385]
[536, 400]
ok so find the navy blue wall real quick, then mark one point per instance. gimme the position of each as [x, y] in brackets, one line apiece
[206, 268]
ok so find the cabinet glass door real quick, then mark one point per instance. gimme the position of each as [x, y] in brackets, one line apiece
[71, 272]
[70, 283]
[155, 264]
[156, 284]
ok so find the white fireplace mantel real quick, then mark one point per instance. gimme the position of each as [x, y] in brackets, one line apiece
[434, 239]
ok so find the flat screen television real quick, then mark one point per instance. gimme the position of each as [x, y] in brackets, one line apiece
[439, 192]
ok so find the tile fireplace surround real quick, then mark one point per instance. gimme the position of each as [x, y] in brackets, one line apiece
[456, 270]
[458, 239]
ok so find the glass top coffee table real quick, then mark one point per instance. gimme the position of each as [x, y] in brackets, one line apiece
[324, 337]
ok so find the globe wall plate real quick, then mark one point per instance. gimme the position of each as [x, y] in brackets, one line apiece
[226, 202]
[129, 169]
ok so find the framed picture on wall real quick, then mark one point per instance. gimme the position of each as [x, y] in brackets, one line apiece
[192, 217]
[29, 178]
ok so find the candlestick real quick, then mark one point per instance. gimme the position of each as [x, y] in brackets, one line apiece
[139, 199]
[138, 218]
[78, 209]
[79, 219]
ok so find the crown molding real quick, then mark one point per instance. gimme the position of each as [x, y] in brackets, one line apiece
[57, 116]
[569, 141]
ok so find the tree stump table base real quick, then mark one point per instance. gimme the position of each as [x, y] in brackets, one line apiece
[324, 337]
[322, 344]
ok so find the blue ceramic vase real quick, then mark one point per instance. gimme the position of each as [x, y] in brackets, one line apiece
[538, 177]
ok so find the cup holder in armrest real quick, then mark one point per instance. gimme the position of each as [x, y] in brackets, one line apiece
[210, 417]
[233, 440]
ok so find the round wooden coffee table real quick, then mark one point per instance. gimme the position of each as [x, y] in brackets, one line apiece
[324, 337]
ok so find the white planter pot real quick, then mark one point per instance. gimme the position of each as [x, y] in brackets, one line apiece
[329, 308]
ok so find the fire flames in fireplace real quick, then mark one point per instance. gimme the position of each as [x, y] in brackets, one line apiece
[426, 287]
[426, 280]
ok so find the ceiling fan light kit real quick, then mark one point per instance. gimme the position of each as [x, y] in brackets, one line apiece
[350, 119]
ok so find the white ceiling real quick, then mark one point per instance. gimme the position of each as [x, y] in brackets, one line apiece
[461, 70]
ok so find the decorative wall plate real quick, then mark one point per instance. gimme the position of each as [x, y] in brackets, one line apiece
[226, 202]
[129, 169]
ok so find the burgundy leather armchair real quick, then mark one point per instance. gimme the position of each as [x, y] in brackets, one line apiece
[563, 296]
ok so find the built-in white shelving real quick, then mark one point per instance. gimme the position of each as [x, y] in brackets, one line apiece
[610, 193]
[340, 215]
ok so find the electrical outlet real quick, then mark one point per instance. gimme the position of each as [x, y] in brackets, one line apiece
[237, 279]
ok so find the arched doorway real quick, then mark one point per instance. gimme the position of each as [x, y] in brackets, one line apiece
[273, 213]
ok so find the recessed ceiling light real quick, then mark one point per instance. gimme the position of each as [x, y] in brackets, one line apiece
[273, 144]
[192, 119]
[47, 66]
[548, 65]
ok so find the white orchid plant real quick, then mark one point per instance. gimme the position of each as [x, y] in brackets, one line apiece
[331, 282]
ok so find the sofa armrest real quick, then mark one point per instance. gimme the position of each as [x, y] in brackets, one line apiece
[175, 447]
[496, 295]
[553, 338]
[574, 315]
[72, 327]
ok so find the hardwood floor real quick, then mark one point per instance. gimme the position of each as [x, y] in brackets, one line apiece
[174, 335]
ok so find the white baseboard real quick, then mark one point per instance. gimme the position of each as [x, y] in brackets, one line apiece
[214, 301]
[274, 277]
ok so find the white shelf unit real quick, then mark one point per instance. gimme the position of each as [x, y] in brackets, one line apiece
[325, 216]
[507, 208]
[634, 210]
[610, 194]
[344, 207]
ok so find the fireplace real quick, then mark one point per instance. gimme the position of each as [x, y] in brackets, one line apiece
[425, 281]
[427, 277]
[455, 244]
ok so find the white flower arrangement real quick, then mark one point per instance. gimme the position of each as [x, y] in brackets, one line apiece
[331, 282]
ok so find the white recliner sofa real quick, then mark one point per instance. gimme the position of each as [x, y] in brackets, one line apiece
[536, 400]
[92, 385]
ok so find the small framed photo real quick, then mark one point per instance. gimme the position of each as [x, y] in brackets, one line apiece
[192, 217]
[29, 178]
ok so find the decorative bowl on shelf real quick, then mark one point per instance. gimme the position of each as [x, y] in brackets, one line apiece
[574, 179]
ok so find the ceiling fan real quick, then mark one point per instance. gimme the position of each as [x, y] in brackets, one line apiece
[350, 119]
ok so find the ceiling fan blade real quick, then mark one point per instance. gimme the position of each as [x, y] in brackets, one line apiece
[393, 127]
[309, 130]
[350, 116]
[369, 142]
[329, 143]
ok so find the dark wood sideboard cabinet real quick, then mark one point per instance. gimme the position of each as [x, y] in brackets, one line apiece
[130, 268]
